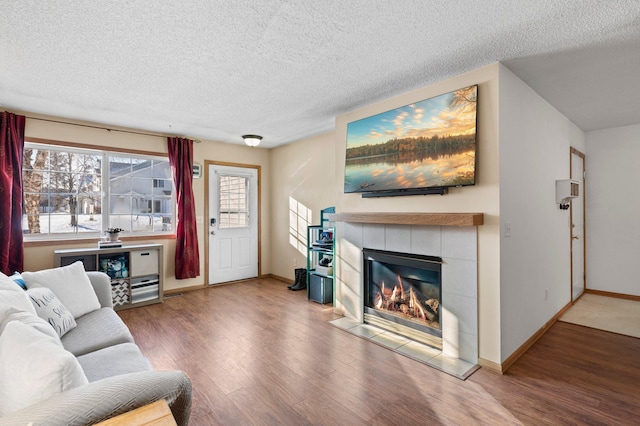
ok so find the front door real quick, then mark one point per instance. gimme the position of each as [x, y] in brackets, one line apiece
[578, 282]
[232, 223]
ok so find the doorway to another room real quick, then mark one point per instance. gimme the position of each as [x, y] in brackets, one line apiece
[578, 247]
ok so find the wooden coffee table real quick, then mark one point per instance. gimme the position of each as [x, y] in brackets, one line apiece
[156, 413]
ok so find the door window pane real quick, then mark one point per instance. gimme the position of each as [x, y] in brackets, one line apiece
[233, 201]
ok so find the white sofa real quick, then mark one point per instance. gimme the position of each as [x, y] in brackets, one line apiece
[98, 373]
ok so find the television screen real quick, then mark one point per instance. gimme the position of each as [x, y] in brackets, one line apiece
[428, 144]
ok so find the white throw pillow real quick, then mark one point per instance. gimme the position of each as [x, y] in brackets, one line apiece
[49, 308]
[12, 314]
[12, 296]
[70, 283]
[33, 367]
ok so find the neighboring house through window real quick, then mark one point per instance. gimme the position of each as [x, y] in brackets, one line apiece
[71, 191]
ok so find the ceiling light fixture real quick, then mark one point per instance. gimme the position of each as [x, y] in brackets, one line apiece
[252, 140]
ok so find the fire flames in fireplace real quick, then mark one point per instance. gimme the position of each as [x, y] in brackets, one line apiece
[407, 304]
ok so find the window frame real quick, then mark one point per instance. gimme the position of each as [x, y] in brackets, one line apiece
[105, 152]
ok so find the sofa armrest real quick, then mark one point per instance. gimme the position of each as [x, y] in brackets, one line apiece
[102, 286]
[103, 399]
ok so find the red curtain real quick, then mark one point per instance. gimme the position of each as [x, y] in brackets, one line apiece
[187, 254]
[11, 148]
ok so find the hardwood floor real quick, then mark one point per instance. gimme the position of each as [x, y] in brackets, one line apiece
[260, 354]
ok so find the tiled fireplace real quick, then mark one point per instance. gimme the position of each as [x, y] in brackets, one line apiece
[456, 246]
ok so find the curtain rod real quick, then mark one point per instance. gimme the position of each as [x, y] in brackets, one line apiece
[106, 128]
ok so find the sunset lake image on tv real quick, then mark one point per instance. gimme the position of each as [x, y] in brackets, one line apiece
[431, 143]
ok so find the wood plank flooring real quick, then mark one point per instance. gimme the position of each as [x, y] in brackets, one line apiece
[259, 354]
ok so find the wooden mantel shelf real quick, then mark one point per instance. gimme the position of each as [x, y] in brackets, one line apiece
[434, 219]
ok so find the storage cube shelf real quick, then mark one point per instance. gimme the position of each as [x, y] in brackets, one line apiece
[135, 271]
[120, 292]
[144, 289]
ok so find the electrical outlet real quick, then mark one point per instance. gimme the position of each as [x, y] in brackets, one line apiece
[507, 229]
[295, 262]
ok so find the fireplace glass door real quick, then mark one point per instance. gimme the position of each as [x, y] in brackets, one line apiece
[403, 292]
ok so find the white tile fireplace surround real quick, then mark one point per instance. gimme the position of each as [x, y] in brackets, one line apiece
[408, 233]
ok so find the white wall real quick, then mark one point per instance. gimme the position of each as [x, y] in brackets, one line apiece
[613, 203]
[535, 141]
[304, 176]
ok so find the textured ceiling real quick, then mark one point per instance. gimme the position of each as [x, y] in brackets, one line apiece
[285, 69]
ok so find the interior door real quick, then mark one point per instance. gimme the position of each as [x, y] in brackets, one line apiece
[578, 282]
[233, 223]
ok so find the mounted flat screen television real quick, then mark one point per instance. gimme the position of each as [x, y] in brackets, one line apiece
[421, 148]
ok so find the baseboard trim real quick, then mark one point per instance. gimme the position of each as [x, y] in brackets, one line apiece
[277, 277]
[490, 365]
[184, 289]
[611, 294]
[508, 363]
[203, 285]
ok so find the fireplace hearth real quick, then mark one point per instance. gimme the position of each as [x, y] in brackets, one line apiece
[403, 294]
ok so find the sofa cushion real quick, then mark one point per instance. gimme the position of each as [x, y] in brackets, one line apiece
[112, 361]
[49, 308]
[12, 296]
[70, 283]
[96, 330]
[12, 314]
[33, 367]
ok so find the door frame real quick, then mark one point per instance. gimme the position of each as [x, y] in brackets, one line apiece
[573, 152]
[258, 169]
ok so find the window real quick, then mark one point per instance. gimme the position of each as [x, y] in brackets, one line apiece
[82, 192]
[233, 201]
